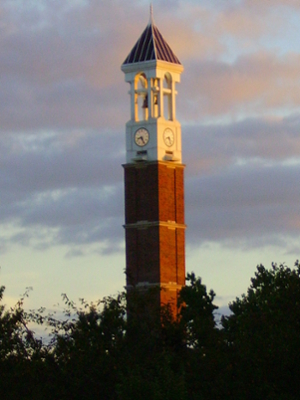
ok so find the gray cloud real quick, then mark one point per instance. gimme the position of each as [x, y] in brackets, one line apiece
[63, 106]
[244, 205]
[257, 84]
[242, 182]
[238, 189]
[210, 147]
[69, 184]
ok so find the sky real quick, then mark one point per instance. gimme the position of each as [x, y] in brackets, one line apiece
[63, 108]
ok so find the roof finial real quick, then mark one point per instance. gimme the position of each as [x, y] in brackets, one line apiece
[151, 13]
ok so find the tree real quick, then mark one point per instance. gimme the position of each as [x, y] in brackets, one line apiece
[22, 356]
[204, 351]
[106, 350]
[170, 358]
[263, 335]
[87, 348]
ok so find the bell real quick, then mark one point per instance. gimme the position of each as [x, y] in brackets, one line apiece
[145, 103]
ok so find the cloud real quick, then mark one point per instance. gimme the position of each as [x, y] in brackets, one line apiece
[207, 148]
[64, 104]
[60, 64]
[67, 187]
[241, 183]
[258, 84]
[244, 206]
[81, 220]
[60, 68]
[217, 29]
[55, 161]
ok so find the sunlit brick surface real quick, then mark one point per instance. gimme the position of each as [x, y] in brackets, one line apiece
[155, 230]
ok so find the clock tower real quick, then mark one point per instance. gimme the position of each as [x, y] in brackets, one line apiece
[154, 173]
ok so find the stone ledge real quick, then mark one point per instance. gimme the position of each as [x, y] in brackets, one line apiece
[147, 224]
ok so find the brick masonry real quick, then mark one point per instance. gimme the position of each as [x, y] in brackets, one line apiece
[154, 224]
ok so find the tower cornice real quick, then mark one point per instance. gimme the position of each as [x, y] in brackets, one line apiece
[144, 164]
[153, 65]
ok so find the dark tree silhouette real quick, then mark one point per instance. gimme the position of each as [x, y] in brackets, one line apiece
[263, 334]
[106, 351]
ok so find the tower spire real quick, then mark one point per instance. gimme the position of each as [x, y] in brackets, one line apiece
[151, 14]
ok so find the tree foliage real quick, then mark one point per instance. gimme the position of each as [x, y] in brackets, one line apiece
[263, 334]
[104, 350]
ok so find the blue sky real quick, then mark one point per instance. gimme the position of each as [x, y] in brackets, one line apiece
[63, 109]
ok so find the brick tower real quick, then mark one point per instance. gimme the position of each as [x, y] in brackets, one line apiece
[154, 173]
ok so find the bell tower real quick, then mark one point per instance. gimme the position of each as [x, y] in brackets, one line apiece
[154, 173]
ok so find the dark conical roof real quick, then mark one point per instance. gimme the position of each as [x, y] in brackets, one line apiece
[151, 46]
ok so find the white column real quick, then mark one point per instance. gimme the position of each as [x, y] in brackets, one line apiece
[173, 102]
[161, 98]
[132, 101]
[150, 99]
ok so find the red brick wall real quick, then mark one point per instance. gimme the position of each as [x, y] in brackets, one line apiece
[155, 250]
[179, 187]
[154, 192]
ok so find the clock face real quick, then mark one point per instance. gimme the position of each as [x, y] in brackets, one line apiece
[141, 137]
[169, 137]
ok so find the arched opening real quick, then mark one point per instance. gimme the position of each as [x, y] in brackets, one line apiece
[155, 97]
[167, 89]
[141, 97]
